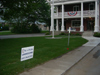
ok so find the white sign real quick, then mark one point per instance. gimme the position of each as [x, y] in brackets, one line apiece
[27, 53]
[69, 29]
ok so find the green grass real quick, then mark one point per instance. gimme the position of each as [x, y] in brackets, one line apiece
[45, 50]
[10, 33]
[44, 31]
[6, 33]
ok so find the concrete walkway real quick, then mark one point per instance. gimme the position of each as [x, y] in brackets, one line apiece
[21, 35]
[59, 65]
[89, 65]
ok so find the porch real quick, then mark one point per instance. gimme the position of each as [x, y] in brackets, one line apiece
[74, 23]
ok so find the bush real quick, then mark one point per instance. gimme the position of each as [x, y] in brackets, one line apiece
[0, 27]
[47, 33]
[77, 34]
[96, 34]
[25, 29]
[72, 34]
[67, 34]
[20, 29]
[35, 29]
[62, 33]
[5, 27]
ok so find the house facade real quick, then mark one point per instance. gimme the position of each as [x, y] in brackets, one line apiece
[80, 15]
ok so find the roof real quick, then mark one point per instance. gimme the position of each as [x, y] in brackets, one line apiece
[57, 1]
[1, 20]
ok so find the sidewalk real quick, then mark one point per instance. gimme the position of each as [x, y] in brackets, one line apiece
[59, 65]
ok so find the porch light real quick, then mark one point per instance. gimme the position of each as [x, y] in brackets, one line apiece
[89, 17]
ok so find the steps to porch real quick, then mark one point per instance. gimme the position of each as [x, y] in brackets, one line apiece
[88, 33]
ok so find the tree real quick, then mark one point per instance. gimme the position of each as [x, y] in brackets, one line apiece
[25, 11]
[46, 17]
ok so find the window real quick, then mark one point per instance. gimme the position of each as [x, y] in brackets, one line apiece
[91, 6]
[60, 9]
[76, 8]
[55, 9]
[76, 23]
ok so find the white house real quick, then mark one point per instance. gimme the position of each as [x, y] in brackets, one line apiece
[81, 15]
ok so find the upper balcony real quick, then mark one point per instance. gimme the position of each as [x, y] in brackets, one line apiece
[74, 10]
[74, 14]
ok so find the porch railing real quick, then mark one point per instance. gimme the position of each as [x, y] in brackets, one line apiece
[76, 14]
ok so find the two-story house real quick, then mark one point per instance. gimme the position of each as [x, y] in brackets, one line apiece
[81, 15]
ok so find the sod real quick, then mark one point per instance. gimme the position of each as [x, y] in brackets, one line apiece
[6, 33]
[45, 50]
[10, 33]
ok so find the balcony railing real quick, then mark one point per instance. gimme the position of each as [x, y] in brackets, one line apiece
[86, 13]
[59, 0]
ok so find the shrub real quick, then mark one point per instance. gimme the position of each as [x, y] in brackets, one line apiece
[5, 27]
[72, 34]
[47, 33]
[20, 29]
[67, 34]
[62, 33]
[96, 34]
[34, 29]
[25, 29]
[0, 27]
[77, 34]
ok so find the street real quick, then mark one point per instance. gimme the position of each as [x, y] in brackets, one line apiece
[21, 35]
[89, 65]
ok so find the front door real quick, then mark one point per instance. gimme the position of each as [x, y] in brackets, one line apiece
[90, 25]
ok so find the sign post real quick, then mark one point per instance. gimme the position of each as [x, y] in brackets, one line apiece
[27, 53]
[69, 35]
[53, 20]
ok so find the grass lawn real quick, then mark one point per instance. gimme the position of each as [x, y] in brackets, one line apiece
[45, 49]
[6, 33]
[44, 31]
[10, 33]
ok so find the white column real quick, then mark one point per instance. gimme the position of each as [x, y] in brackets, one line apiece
[62, 27]
[56, 24]
[81, 27]
[52, 19]
[96, 27]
